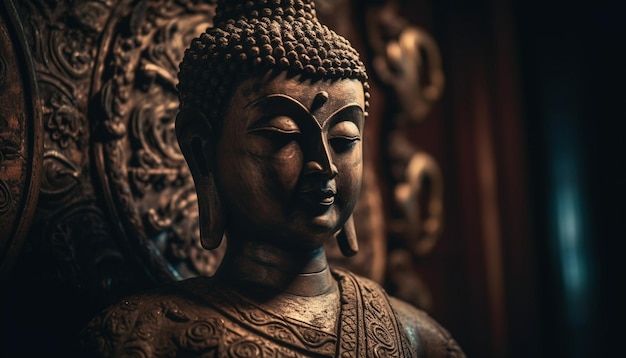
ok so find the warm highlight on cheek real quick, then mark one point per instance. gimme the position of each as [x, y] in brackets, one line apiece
[357, 158]
[288, 166]
[290, 152]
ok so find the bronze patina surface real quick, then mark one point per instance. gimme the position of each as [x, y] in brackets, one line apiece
[271, 120]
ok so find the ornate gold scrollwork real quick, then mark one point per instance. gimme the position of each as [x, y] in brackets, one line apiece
[150, 188]
[420, 230]
[406, 58]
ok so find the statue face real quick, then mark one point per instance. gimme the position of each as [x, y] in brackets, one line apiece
[289, 159]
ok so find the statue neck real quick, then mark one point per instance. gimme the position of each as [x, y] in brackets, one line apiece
[253, 265]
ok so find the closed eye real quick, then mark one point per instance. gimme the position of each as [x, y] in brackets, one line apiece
[280, 130]
[275, 129]
[343, 136]
[278, 124]
[277, 137]
[341, 144]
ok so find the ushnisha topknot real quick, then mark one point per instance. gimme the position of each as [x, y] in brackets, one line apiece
[252, 37]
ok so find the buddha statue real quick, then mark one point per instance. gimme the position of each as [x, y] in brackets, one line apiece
[272, 110]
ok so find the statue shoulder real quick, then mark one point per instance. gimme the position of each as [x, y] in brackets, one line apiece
[425, 334]
[156, 323]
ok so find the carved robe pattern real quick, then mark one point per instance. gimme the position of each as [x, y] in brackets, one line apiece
[197, 318]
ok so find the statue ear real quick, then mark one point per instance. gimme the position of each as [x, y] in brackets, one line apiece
[197, 141]
[346, 238]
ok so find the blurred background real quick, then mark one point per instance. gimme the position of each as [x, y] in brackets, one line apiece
[494, 191]
[527, 134]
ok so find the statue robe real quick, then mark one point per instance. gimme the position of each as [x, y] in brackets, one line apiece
[196, 318]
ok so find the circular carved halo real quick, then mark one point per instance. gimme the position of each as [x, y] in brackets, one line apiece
[21, 143]
[147, 184]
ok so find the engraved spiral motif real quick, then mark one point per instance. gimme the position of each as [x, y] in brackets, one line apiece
[245, 348]
[70, 51]
[200, 335]
[200, 330]
[146, 323]
[314, 338]
[101, 344]
[385, 342]
[117, 325]
[137, 349]
[5, 197]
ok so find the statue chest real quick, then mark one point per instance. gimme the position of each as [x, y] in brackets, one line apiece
[216, 322]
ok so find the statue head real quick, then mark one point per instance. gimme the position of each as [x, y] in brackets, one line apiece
[272, 110]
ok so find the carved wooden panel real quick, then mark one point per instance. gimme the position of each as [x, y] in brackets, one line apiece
[145, 178]
[117, 205]
[20, 140]
[70, 241]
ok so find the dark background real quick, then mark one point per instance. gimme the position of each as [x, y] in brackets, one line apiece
[529, 138]
[549, 78]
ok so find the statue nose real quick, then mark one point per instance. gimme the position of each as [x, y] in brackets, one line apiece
[328, 171]
[321, 163]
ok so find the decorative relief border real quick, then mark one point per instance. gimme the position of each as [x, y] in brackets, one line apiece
[20, 138]
[147, 183]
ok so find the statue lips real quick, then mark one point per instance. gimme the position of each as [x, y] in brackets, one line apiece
[318, 196]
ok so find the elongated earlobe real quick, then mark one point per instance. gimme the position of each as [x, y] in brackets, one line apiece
[347, 240]
[211, 219]
[197, 141]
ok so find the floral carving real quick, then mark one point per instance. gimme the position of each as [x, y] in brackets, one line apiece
[150, 182]
[60, 175]
[72, 52]
[63, 120]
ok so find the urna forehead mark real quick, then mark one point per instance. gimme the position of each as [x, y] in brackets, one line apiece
[311, 92]
[320, 98]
